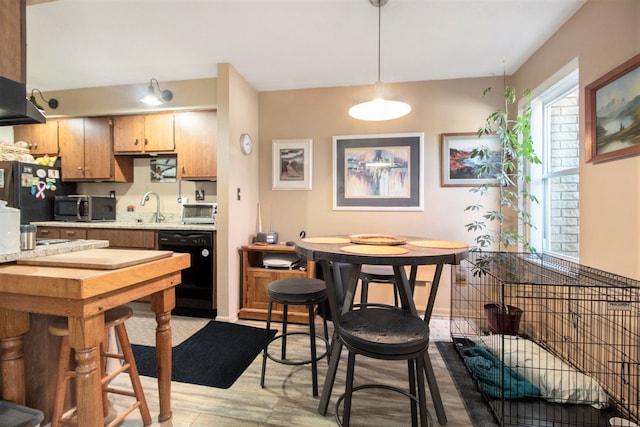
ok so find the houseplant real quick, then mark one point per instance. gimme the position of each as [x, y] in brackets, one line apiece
[509, 215]
[505, 224]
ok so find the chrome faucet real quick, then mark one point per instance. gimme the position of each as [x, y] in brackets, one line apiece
[145, 198]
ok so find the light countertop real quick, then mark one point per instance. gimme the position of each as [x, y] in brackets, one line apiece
[58, 248]
[128, 225]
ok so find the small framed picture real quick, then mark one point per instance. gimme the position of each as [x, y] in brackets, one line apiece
[459, 169]
[292, 164]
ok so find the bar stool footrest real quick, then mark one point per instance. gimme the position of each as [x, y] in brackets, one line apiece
[291, 362]
[379, 386]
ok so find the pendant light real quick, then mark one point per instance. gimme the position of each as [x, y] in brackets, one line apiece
[152, 99]
[379, 108]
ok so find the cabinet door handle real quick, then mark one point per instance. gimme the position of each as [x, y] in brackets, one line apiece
[146, 141]
[136, 142]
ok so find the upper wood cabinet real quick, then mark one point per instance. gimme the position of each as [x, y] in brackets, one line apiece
[150, 133]
[87, 152]
[42, 138]
[196, 145]
[13, 40]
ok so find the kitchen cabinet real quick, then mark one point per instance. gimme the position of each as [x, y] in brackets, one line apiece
[13, 40]
[150, 133]
[256, 279]
[124, 238]
[196, 145]
[42, 138]
[46, 232]
[87, 151]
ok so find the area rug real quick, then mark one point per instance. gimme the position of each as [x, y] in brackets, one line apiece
[477, 408]
[215, 356]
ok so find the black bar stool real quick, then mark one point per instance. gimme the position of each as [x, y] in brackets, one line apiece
[296, 291]
[387, 333]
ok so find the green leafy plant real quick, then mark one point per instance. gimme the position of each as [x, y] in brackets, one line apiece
[510, 212]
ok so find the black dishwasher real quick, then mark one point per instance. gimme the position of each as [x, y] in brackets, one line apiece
[195, 296]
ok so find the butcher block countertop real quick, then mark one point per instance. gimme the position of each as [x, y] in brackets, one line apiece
[59, 248]
[89, 273]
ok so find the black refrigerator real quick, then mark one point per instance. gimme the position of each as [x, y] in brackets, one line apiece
[32, 189]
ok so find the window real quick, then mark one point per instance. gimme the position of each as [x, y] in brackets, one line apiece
[555, 131]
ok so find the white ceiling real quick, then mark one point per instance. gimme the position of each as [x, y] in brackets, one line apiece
[282, 44]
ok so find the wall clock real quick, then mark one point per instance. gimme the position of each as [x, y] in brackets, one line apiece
[246, 144]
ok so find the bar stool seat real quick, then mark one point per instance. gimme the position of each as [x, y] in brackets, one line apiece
[296, 291]
[116, 318]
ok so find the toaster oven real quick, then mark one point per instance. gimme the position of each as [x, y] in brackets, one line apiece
[199, 213]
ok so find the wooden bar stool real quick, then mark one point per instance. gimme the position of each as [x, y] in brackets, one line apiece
[296, 291]
[112, 318]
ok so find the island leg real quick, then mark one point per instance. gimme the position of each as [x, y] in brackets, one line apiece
[162, 303]
[85, 336]
[13, 326]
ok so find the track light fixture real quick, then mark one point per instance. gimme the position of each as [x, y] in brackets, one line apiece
[152, 99]
[379, 108]
[52, 103]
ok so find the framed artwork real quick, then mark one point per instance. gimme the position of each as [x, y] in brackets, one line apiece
[458, 168]
[612, 122]
[292, 164]
[163, 169]
[378, 172]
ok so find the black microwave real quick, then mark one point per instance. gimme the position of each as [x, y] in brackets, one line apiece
[84, 208]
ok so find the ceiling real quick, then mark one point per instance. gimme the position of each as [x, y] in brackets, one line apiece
[282, 44]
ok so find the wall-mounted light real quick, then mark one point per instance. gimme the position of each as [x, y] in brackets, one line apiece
[379, 108]
[51, 102]
[152, 99]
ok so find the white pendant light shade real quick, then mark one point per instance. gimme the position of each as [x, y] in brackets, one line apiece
[379, 108]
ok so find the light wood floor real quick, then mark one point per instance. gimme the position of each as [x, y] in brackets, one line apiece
[287, 400]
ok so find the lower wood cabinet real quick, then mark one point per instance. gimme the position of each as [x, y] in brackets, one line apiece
[256, 279]
[118, 238]
[61, 232]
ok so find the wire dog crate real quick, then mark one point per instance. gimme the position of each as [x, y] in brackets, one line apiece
[548, 342]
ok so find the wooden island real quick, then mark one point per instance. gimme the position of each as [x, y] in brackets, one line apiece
[81, 286]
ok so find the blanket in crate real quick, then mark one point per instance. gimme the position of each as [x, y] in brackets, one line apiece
[494, 378]
[558, 381]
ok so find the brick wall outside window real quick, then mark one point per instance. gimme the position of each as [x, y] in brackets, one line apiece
[564, 190]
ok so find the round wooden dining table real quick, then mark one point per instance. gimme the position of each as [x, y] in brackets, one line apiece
[396, 251]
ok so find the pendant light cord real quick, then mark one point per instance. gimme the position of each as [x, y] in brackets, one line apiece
[379, 30]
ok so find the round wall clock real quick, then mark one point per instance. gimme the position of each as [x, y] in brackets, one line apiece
[246, 144]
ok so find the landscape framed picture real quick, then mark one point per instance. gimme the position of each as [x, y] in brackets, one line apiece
[459, 169]
[378, 172]
[612, 113]
[292, 164]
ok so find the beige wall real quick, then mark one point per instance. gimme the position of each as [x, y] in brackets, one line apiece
[237, 114]
[601, 35]
[438, 107]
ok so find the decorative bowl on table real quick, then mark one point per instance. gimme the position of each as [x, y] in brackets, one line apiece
[376, 239]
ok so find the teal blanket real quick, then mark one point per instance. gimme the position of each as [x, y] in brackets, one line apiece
[494, 378]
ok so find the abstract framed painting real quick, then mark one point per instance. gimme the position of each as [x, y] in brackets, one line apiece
[381, 172]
